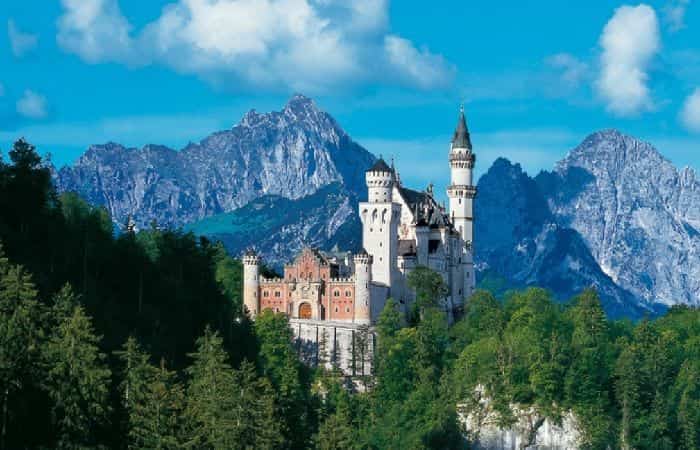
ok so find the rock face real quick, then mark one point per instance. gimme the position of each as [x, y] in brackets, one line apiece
[614, 214]
[636, 212]
[521, 243]
[291, 154]
[279, 227]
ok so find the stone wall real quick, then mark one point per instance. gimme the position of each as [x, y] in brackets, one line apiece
[530, 431]
[347, 346]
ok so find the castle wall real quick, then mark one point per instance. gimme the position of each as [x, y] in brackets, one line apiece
[342, 300]
[346, 346]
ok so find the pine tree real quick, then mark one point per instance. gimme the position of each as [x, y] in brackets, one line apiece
[210, 407]
[77, 378]
[20, 336]
[279, 363]
[254, 410]
[152, 398]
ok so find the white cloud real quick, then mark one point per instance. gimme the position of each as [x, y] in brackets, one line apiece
[572, 70]
[629, 42]
[420, 66]
[690, 115]
[674, 14]
[95, 30]
[32, 105]
[309, 45]
[20, 41]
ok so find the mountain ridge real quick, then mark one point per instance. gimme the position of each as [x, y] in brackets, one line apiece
[590, 221]
[292, 153]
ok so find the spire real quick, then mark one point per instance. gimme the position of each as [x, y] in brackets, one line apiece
[461, 137]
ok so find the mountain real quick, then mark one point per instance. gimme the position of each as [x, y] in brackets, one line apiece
[636, 212]
[520, 243]
[289, 154]
[280, 227]
[613, 214]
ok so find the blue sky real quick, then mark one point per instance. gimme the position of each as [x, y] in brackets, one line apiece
[536, 77]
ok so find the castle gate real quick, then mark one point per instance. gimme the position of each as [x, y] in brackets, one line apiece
[305, 311]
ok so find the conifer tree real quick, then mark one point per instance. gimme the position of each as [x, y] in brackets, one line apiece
[77, 377]
[254, 410]
[152, 398]
[20, 336]
[210, 402]
[279, 363]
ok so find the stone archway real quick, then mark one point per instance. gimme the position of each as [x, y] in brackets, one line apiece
[305, 311]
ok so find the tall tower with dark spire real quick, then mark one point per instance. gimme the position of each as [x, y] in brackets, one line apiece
[461, 190]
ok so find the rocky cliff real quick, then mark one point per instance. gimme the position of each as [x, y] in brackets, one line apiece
[290, 154]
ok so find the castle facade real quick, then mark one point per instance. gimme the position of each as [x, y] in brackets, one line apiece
[401, 230]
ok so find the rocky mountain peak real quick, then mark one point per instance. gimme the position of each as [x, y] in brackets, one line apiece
[612, 150]
[290, 153]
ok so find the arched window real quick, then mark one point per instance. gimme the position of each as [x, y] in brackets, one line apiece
[336, 293]
[374, 215]
[278, 294]
[266, 294]
[348, 293]
[384, 216]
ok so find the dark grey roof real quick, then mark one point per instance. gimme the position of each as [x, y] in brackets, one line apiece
[380, 166]
[426, 211]
[461, 137]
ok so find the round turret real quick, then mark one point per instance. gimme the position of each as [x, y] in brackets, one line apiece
[363, 278]
[380, 181]
[251, 282]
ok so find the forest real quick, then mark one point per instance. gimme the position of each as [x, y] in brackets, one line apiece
[121, 339]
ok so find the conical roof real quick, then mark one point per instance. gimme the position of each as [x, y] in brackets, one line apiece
[380, 166]
[461, 137]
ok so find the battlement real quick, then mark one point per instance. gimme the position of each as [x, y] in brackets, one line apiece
[464, 191]
[271, 280]
[342, 280]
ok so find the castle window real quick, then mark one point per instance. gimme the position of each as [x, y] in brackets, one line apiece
[348, 293]
[380, 244]
[460, 201]
[347, 309]
[336, 309]
[278, 294]
[336, 293]
[266, 294]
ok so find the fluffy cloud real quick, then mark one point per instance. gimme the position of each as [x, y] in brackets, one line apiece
[572, 70]
[629, 42]
[307, 45]
[674, 14]
[32, 105]
[95, 30]
[20, 41]
[419, 66]
[690, 115]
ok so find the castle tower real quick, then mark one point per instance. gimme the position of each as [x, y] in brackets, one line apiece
[462, 191]
[251, 282]
[380, 219]
[363, 277]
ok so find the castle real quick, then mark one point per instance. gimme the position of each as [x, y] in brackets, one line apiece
[339, 294]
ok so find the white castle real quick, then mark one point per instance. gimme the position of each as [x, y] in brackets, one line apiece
[401, 229]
